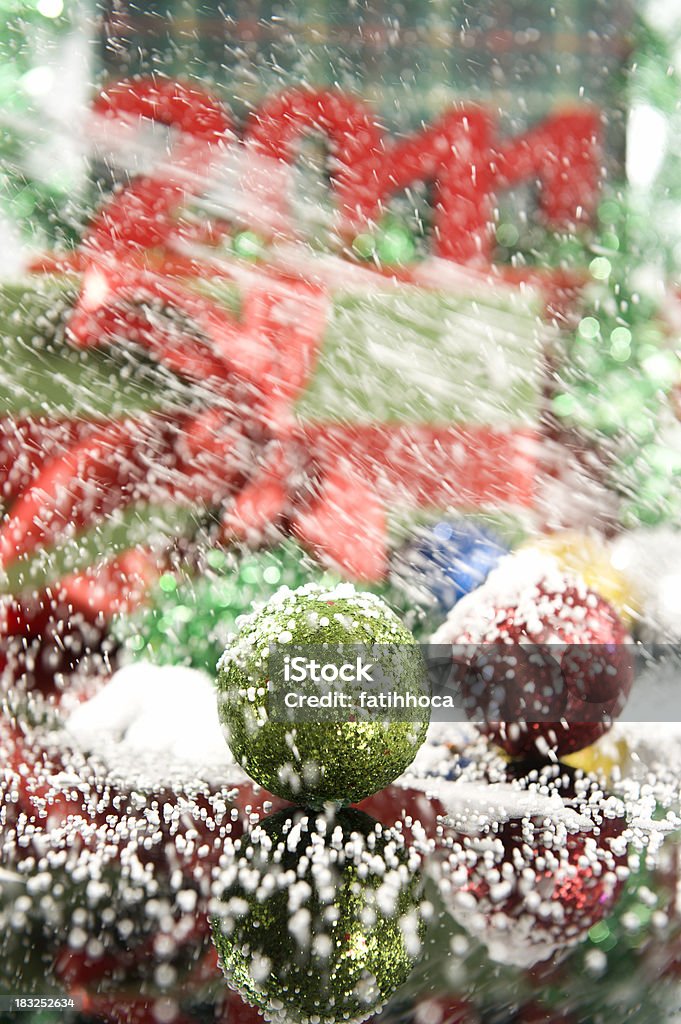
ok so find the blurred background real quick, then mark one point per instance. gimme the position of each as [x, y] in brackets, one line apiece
[221, 373]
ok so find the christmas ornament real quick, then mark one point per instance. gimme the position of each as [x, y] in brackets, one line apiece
[464, 211]
[395, 245]
[190, 616]
[443, 562]
[316, 761]
[72, 918]
[530, 888]
[321, 919]
[585, 555]
[46, 644]
[248, 245]
[547, 664]
[115, 813]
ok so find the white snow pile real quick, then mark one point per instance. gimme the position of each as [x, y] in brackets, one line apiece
[155, 725]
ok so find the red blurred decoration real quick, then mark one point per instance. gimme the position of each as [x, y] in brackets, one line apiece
[238, 452]
[116, 980]
[561, 154]
[535, 1013]
[140, 216]
[411, 808]
[45, 642]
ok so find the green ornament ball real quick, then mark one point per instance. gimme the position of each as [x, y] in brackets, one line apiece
[189, 616]
[395, 244]
[338, 758]
[249, 245]
[320, 920]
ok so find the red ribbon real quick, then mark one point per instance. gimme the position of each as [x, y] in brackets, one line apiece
[462, 153]
[327, 483]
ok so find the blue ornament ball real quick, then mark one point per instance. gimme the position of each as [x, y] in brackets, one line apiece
[441, 563]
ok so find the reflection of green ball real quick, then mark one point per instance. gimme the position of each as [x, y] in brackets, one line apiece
[321, 921]
[312, 762]
[189, 618]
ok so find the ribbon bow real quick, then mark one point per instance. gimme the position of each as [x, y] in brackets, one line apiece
[240, 450]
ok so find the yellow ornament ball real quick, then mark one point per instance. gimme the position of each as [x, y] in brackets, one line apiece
[601, 757]
[587, 556]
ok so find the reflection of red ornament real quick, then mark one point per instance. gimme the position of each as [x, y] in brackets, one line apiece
[128, 858]
[233, 1010]
[550, 660]
[530, 889]
[409, 807]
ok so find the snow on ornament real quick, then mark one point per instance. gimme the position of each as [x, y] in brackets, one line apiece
[547, 664]
[343, 758]
[529, 888]
[114, 815]
[319, 918]
[530, 880]
[587, 555]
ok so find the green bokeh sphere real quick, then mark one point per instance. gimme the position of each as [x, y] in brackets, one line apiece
[189, 616]
[320, 761]
[321, 921]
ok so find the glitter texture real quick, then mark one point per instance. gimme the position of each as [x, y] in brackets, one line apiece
[528, 599]
[531, 888]
[312, 763]
[322, 920]
[190, 618]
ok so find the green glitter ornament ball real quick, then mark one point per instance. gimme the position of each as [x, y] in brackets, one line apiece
[321, 919]
[190, 616]
[337, 758]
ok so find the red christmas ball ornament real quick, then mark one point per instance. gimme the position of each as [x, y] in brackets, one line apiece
[46, 642]
[530, 888]
[544, 662]
[411, 811]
